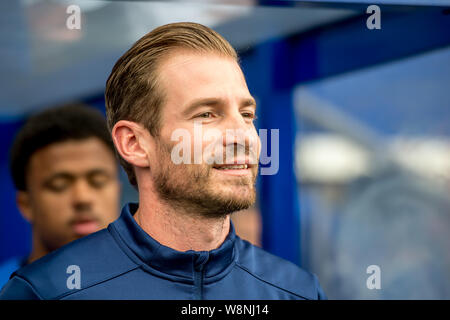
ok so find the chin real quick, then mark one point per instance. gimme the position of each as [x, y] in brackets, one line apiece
[237, 191]
[244, 197]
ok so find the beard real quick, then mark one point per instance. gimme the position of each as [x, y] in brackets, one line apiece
[199, 189]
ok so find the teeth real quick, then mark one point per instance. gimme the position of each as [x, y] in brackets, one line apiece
[233, 167]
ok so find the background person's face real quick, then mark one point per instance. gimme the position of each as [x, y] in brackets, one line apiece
[73, 190]
[187, 78]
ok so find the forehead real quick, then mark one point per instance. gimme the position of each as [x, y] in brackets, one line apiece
[74, 156]
[188, 75]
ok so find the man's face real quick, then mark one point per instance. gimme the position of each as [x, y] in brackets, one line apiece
[73, 190]
[210, 91]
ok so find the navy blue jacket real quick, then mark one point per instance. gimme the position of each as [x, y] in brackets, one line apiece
[124, 262]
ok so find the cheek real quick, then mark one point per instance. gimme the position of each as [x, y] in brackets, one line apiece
[259, 147]
[50, 208]
[107, 205]
[255, 143]
[109, 196]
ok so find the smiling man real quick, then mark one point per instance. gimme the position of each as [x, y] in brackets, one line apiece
[178, 242]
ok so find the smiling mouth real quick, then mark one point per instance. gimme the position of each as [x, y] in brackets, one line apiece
[236, 170]
[231, 167]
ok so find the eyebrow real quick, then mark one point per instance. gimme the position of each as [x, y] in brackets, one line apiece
[247, 102]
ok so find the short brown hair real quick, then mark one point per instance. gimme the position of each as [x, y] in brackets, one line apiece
[132, 91]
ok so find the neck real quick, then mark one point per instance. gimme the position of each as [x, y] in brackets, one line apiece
[177, 228]
[38, 249]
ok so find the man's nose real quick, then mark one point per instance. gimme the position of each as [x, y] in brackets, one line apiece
[241, 134]
[237, 129]
[235, 120]
[82, 195]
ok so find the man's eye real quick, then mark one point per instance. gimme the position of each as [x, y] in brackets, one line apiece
[58, 185]
[205, 115]
[249, 115]
[98, 180]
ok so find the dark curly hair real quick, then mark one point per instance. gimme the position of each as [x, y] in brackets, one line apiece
[73, 121]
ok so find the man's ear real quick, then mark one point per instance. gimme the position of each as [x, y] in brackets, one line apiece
[23, 202]
[133, 142]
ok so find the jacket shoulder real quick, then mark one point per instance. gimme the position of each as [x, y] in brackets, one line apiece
[278, 272]
[18, 289]
[90, 260]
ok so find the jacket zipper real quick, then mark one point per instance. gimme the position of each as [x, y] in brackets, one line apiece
[198, 282]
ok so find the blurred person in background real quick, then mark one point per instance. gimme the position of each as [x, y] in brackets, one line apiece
[65, 171]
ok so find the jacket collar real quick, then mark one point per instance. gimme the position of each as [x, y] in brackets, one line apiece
[169, 261]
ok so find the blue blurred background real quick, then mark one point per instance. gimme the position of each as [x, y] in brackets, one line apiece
[363, 118]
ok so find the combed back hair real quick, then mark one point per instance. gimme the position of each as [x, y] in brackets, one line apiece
[132, 89]
[74, 121]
